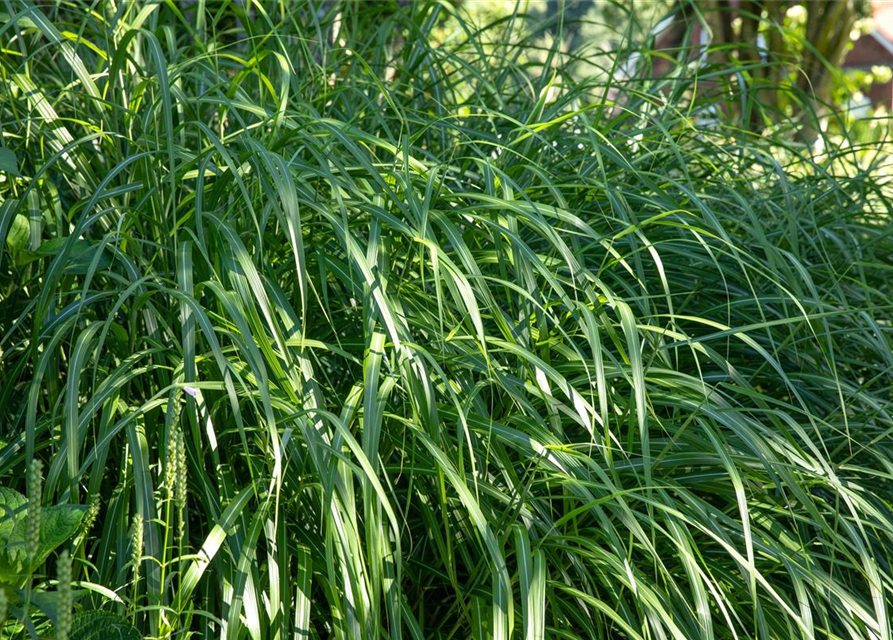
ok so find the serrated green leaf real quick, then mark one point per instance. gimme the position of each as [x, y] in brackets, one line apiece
[13, 523]
[58, 523]
[49, 601]
[102, 625]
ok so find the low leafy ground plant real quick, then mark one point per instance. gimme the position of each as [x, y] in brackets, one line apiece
[359, 321]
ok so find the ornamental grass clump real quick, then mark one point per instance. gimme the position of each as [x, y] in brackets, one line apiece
[439, 339]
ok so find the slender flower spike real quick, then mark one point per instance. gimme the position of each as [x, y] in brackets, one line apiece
[63, 619]
[136, 546]
[180, 485]
[170, 465]
[175, 477]
[175, 464]
[92, 514]
[176, 401]
[35, 491]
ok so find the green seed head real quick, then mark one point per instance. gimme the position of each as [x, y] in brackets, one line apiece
[136, 539]
[181, 478]
[177, 401]
[4, 608]
[63, 621]
[35, 490]
[92, 514]
[170, 464]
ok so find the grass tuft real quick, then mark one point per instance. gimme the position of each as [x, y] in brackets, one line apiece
[367, 320]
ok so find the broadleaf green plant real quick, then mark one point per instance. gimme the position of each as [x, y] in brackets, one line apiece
[58, 523]
[102, 625]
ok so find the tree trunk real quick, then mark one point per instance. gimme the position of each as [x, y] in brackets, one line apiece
[808, 67]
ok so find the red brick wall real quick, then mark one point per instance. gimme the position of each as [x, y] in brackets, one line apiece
[882, 94]
[867, 51]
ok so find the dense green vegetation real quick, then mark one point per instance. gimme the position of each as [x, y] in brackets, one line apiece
[339, 320]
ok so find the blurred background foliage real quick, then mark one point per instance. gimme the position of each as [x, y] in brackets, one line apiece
[777, 44]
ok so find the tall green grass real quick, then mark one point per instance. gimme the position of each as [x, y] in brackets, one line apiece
[352, 326]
